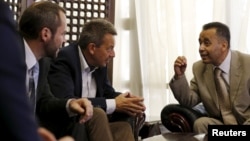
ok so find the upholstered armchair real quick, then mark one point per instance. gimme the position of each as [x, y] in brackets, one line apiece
[178, 118]
[137, 124]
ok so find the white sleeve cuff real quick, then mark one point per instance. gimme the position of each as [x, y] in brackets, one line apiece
[111, 105]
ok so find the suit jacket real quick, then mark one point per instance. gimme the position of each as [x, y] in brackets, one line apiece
[17, 122]
[65, 78]
[202, 88]
[51, 111]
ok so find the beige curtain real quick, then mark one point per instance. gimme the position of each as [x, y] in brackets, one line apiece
[152, 33]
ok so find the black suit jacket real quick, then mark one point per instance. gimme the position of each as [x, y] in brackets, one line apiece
[17, 122]
[65, 78]
[51, 111]
[47, 104]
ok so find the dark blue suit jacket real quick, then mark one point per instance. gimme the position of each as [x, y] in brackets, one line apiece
[17, 122]
[65, 78]
[51, 111]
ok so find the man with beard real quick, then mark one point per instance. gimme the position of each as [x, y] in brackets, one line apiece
[43, 28]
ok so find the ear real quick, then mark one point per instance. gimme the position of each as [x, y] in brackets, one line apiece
[225, 44]
[91, 47]
[45, 34]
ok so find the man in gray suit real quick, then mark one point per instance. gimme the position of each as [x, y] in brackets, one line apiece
[215, 52]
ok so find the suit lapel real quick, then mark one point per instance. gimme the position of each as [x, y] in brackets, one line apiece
[235, 75]
[209, 78]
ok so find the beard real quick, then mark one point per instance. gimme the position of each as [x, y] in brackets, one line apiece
[51, 50]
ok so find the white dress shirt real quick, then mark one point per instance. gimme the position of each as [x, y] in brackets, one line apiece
[89, 84]
[225, 67]
[31, 62]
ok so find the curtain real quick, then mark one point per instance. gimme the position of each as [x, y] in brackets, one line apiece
[151, 34]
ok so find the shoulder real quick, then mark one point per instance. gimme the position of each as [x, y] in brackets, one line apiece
[198, 65]
[69, 51]
[240, 58]
[69, 48]
[236, 53]
[199, 68]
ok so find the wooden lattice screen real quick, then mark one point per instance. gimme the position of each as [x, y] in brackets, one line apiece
[77, 13]
[80, 11]
[16, 7]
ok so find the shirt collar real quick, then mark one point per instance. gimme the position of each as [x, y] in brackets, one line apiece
[30, 58]
[83, 62]
[225, 65]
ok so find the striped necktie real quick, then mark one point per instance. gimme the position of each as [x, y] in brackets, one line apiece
[223, 98]
[31, 92]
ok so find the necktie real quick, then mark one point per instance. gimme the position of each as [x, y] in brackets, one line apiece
[31, 91]
[223, 98]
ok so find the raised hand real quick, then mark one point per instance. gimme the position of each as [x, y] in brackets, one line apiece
[180, 66]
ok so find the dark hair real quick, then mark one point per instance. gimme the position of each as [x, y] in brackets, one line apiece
[39, 15]
[94, 31]
[222, 30]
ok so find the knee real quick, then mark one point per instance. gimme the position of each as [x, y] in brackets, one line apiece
[197, 122]
[99, 118]
[127, 126]
[200, 125]
[99, 113]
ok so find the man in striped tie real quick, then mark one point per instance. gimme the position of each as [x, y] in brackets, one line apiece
[43, 28]
[227, 100]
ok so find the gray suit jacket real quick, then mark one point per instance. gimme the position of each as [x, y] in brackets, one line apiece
[202, 88]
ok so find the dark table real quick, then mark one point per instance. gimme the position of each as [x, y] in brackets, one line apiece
[177, 137]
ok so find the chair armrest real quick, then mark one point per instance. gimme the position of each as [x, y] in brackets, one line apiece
[178, 118]
[137, 125]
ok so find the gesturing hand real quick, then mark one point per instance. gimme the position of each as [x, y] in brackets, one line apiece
[180, 65]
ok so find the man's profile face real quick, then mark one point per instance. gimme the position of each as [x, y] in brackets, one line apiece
[57, 40]
[103, 54]
[211, 48]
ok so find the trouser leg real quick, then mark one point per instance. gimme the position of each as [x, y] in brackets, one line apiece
[98, 126]
[100, 129]
[121, 131]
[201, 124]
[79, 132]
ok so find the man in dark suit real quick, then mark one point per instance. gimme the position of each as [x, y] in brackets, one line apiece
[17, 120]
[43, 27]
[80, 70]
[215, 53]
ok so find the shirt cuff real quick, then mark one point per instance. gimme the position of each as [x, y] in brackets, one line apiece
[111, 105]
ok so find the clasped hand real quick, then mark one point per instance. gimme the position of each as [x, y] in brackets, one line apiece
[130, 104]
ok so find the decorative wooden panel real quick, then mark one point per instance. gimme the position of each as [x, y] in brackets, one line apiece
[77, 12]
[15, 6]
[80, 11]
